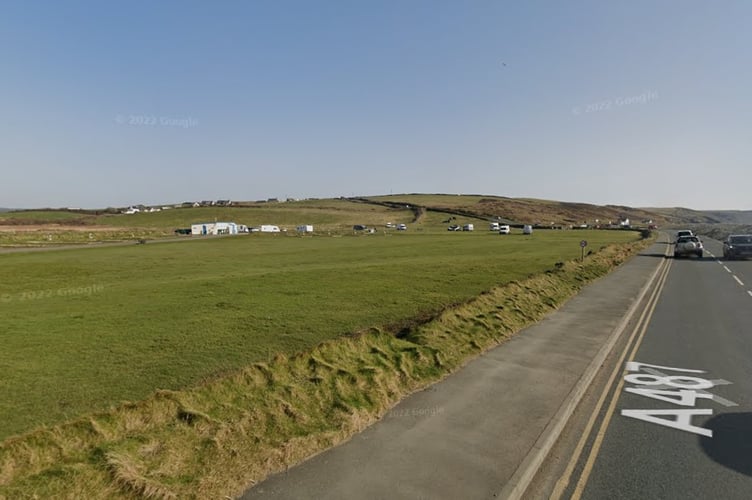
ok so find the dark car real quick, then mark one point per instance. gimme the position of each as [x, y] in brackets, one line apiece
[737, 246]
[359, 227]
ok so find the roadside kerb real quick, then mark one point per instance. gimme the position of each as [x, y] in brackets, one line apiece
[520, 481]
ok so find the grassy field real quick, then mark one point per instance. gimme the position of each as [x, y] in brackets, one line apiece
[85, 329]
[322, 214]
[216, 438]
[61, 216]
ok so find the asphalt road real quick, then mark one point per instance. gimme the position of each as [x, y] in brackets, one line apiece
[681, 429]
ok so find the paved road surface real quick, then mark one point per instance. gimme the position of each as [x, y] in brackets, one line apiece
[660, 442]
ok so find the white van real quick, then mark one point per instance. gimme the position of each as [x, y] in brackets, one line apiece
[494, 226]
[468, 227]
[527, 229]
[504, 229]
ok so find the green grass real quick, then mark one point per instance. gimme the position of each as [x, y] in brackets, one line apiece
[164, 316]
[215, 438]
[60, 216]
[323, 214]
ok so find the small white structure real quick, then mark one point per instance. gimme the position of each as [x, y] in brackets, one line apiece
[214, 228]
[305, 228]
[268, 228]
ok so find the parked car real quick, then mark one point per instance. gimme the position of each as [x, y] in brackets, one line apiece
[688, 245]
[527, 229]
[360, 227]
[401, 227]
[504, 229]
[468, 227]
[183, 231]
[737, 246]
[454, 227]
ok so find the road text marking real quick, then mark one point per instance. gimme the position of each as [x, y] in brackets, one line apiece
[680, 390]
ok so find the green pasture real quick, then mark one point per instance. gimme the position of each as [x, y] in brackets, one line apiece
[322, 214]
[59, 216]
[84, 329]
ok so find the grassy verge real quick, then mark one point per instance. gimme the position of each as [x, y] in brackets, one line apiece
[228, 433]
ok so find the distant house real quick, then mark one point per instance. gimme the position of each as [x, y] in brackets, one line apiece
[207, 203]
[273, 200]
[223, 203]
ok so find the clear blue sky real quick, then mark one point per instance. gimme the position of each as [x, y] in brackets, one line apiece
[640, 103]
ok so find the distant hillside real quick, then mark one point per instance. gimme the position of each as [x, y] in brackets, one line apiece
[732, 216]
[429, 210]
[525, 210]
[681, 215]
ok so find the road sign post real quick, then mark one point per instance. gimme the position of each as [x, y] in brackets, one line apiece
[583, 244]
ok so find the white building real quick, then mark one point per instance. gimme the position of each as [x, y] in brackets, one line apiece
[214, 228]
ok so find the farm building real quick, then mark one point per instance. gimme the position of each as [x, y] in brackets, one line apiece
[207, 228]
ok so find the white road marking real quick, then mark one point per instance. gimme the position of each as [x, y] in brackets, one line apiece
[727, 269]
[738, 280]
[749, 292]
[682, 419]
